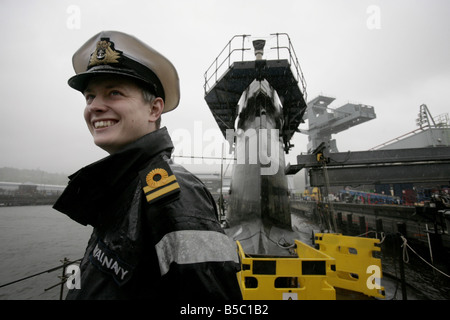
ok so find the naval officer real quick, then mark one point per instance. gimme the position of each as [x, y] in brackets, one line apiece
[156, 233]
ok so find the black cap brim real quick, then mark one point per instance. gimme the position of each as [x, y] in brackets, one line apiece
[80, 81]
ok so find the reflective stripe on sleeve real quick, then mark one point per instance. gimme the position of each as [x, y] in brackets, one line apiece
[194, 246]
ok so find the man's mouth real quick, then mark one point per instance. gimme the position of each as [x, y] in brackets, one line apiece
[104, 124]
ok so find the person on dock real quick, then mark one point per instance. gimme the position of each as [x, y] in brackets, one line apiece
[156, 231]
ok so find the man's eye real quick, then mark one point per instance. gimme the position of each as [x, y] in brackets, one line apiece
[115, 93]
[89, 98]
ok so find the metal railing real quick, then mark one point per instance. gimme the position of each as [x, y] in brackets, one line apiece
[282, 49]
[212, 72]
[293, 60]
[64, 264]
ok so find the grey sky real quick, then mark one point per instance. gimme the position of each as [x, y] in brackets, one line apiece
[395, 68]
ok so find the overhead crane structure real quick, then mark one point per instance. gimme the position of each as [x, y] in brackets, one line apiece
[324, 121]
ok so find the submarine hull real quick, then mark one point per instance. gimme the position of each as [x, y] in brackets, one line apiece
[259, 191]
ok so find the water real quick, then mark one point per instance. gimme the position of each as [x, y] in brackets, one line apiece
[35, 239]
[422, 281]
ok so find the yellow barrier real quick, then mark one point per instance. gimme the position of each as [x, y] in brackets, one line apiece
[356, 269]
[300, 277]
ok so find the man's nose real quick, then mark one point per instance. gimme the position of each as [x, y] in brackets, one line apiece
[98, 105]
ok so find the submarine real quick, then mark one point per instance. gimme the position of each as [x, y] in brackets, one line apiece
[258, 104]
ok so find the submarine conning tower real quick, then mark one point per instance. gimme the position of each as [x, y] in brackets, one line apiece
[230, 74]
[258, 103]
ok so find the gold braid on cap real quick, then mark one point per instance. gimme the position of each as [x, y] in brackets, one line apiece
[104, 54]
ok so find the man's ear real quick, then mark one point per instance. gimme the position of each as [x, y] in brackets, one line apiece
[156, 109]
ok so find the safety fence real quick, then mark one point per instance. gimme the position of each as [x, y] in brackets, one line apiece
[312, 274]
[299, 277]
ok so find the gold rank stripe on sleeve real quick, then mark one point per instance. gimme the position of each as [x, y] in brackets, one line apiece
[160, 185]
[157, 193]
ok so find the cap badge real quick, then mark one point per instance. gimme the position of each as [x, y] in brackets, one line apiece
[104, 53]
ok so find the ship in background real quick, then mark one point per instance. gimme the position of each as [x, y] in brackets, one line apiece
[258, 105]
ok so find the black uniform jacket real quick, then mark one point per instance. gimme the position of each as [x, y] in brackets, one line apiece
[156, 233]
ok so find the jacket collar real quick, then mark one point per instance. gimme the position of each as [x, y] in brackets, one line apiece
[97, 186]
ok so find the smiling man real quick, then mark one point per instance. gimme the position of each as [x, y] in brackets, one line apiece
[116, 112]
[156, 233]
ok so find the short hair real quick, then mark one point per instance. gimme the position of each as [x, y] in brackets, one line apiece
[148, 97]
